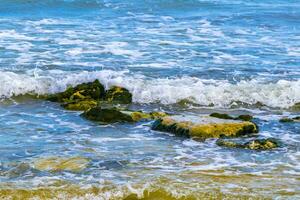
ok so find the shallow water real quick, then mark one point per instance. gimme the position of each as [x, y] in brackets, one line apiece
[187, 57]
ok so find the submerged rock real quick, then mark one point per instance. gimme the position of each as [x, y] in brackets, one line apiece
[57, 164]
[226, 116]
[113, 164]
[287, 120]
[203, 126]
[257, 144]
[106, 115]
[119, 95]
[17, 170]
[91, 90]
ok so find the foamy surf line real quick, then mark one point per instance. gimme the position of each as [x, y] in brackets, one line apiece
[220, 93]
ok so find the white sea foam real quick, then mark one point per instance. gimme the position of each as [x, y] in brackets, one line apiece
[12, 34]
[163, 90]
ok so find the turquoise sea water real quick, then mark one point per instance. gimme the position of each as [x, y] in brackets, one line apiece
[240, 57]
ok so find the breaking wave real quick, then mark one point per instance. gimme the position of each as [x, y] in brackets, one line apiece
[219, 93]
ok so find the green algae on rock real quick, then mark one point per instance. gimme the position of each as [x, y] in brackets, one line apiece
[106, 115]
[226, 116]
[139, 115]
[119, 95]
[257, 144]
[288, 120]
[221, 116]
[80, 105]
[203, 126]
[295, 107]
[111, 115]
[91, 90]
[244, 117]
[57, 164]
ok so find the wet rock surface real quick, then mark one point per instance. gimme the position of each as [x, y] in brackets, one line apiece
[203, 126]
[296, 107]
[118, 94]
[256, 144]
[226, 116]
[113, 114]
[289, 120]
[106, 115]
[80, 105]
[91, 90]
[88, 95]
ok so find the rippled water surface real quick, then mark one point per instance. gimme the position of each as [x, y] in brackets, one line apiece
[240, 57]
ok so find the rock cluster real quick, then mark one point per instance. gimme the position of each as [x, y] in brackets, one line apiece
[89, 95]
[103, 106]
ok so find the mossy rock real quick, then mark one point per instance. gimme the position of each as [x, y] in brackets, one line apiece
[57, 164]
[203, 126]
[296, 107]
[158, 115]
[110, 115]
[289, 120]
[238, 104]
[80, 105]
[106, 115]
[91, 90]
[257, 144]
[226, 116]
[118, 95]
[286, 120]
[221, 116]
[138, 115]
[262, 144]
[244, 117]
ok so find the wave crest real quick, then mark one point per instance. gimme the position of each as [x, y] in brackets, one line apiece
[219, 93]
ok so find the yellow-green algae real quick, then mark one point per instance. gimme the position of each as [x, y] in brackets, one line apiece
[204, 126]
[257, 144]
[219, 184]
[139, 115]
[80, 105]
[91, 90]
[295, 107]
[112, 114]
[262, 144]
[119, 95]
[95, 193]
[56, 164]
[159, 192]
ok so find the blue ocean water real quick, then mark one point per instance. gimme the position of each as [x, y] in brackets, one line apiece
[238, 56]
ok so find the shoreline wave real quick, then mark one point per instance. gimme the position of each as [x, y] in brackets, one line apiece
[146, 90]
